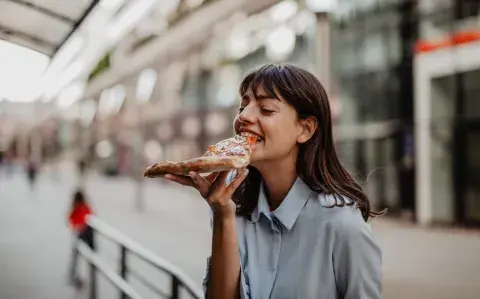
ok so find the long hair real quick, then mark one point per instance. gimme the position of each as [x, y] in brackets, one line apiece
[318, 164]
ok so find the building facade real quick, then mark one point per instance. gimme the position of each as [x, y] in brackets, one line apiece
[405, 126]
[447, 111]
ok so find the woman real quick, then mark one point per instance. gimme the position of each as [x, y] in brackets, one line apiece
[293, 224]
[77, 219]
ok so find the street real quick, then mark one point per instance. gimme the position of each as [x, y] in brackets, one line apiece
[35, 243]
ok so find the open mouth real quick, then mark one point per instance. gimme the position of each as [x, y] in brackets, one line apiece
[259, 138]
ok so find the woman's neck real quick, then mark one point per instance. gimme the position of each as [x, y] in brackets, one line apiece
[278, 179]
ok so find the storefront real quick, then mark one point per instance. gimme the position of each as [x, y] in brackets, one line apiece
[372, 61]
[448, 134]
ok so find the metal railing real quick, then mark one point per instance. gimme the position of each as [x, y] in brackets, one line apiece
[127, 246]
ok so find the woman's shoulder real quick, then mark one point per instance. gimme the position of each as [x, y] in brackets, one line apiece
[339, 212]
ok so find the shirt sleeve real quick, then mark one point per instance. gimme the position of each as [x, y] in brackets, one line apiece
[357, 261]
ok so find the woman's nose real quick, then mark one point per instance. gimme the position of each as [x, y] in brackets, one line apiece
[248, 115]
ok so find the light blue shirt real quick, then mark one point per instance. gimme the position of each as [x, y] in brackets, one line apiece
[305, 250]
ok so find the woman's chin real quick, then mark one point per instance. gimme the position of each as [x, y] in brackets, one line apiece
[254, 161]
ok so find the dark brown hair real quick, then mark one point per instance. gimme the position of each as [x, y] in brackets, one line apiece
[317, 164]
[78, 198]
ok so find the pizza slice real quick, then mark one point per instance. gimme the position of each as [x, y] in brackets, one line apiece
[232, 153]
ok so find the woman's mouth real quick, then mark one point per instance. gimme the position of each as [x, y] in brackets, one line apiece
[259, 138]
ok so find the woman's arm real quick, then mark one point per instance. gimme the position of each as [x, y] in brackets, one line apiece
[224, 277]
[225, 261]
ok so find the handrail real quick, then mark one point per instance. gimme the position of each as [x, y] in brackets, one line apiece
[110, 274]
[135, 248]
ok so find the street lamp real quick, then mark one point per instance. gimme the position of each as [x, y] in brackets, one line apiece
[323, 9]
[145, 87]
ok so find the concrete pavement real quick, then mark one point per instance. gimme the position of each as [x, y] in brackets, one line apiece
[35, 243]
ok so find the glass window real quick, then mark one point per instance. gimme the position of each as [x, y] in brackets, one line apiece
[472, 94]
[345, 50]
[347, 151]
[436, 25]
[393, 46]
[373, 97]
[349, 101]
[392, 95]
[374, 52]
[472, 204]
[432, 6]
[468, 8]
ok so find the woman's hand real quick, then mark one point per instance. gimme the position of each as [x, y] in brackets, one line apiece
[213, 188]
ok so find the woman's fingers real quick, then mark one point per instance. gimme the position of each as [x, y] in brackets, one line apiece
[220, 181]
[222, 191]
[211, 177]
[213, 187]
[180, 179]
[237, 182]
[201, 183]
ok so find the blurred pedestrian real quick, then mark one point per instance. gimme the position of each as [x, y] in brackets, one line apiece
[81, 166]
[293, 224]
[32, 170]
[77, 219]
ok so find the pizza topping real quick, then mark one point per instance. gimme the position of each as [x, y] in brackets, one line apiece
[239, 145]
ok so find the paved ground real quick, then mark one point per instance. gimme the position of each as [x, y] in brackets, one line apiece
[35, 243]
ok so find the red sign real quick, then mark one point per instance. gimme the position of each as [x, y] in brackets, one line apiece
[458, 38]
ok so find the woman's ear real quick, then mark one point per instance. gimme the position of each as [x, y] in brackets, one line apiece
[308, 128]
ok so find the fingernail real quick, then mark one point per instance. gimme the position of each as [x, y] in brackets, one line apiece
[191, 174]
[167, 176]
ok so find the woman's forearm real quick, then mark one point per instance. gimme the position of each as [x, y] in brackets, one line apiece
[225, 260]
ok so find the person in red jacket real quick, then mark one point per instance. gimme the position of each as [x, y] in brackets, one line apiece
[77, 219]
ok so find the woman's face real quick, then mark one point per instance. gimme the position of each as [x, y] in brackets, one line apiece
[275, 122]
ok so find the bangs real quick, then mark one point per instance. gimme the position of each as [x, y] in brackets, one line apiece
[268, 76]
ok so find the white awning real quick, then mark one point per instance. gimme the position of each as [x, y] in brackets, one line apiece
[41, 25]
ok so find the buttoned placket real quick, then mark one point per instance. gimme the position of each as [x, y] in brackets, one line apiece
[275, 250]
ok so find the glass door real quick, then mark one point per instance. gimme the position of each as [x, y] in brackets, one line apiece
[471, 192]
[472, 175]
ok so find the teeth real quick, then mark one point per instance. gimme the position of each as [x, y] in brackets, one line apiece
[246, 134]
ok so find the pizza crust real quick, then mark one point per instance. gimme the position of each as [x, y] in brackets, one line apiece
[201, 165]
[228, 154]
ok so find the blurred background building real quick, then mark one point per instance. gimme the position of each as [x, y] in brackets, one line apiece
[140, 81]
[118, 84]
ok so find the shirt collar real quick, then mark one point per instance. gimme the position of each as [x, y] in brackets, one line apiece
[289, 210]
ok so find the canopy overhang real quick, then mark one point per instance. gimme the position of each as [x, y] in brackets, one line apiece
[43, 26]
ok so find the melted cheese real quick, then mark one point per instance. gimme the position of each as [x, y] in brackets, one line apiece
[235, 146]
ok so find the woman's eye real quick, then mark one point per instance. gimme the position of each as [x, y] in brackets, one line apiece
[266, 111]
[241, 109]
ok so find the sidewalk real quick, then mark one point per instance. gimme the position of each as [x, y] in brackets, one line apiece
[428, 263]
[35, 243]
